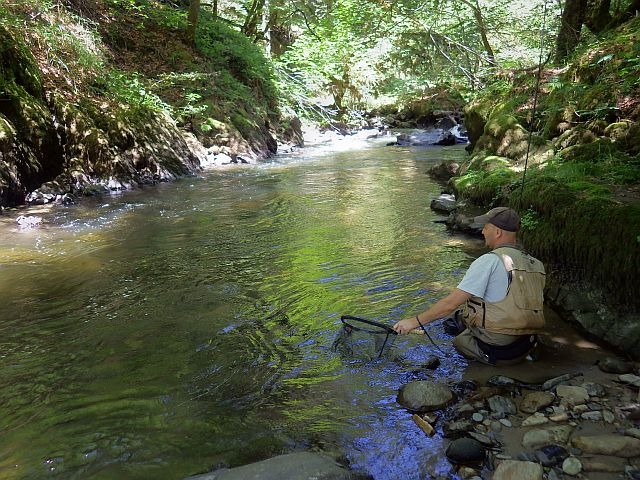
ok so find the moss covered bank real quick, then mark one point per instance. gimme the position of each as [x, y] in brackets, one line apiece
[580, 203]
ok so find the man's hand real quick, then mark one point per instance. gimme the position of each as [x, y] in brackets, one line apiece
[405, 326]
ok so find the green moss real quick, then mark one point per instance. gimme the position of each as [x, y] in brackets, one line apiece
[485, 187]
[591, 238]
[18, 65]
[590, 188]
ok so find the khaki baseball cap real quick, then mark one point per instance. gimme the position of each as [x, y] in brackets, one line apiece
[502, 217]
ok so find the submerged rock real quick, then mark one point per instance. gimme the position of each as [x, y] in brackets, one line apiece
[298, 466]
[466, 451]
[571, 466]
[534, 401]
[615, 365]
[424, 396]
[518, 470]
[551, 455]
[616, 445]
[544, 436]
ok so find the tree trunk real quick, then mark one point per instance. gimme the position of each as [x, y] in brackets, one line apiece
[597, 15]
[570, 26]
[482, 29]
[254, 15]
[192, 21]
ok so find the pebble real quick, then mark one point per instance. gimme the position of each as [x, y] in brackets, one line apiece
[559, 417]
[592, 416]
[534, 401]
[608, 416]
[594, 389]
[572, 395]
[551, 455]
[466, 408]
[553, 475]
[571, 466]
[538, 437]
[534, 420]
[454, 429]
[496, 426]
[477, 417]
[506, 422]
[518, 470]
[502, 406]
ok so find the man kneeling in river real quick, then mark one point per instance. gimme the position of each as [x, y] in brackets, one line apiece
[502, 293]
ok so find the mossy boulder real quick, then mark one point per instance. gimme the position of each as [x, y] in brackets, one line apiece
[503, 135]
[574, 136]
[626, 135]
[588, 152]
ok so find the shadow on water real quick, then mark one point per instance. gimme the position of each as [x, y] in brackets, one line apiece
[164, 331]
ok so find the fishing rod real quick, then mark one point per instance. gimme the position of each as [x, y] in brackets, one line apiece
[535, 97]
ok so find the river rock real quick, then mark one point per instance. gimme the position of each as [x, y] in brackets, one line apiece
[299, 466]
[615, 365]
[551, 455]
[571, 466]
[517, 470]
[603, 464]
[616, 445]
[424, 396]
[502, 406]
[445, 203]
[630, 379]
[455, 429]
[544, 436]
[572, 395]
[534, 401]
[633, 432]
[444, 171]
[592, 416]
[594, 389]
[535, 420]
[465, 451]
[431, 363]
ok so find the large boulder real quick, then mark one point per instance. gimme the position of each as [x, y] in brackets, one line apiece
[424, 396]
[292, 466]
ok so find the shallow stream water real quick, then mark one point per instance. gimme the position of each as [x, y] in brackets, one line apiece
[163, 332]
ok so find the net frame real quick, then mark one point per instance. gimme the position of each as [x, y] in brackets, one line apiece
[381, 328]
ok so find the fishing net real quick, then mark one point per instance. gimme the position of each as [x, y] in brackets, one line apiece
[363, 339]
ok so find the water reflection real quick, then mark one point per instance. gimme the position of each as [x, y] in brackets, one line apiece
[163, 331]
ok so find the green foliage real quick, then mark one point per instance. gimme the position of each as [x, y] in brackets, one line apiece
[129, 88]
[230, 51]
[530, 220]
[486, 187]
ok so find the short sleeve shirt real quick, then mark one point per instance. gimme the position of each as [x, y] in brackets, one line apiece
[486, 278]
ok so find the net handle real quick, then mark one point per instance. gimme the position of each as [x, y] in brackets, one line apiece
[387, 329]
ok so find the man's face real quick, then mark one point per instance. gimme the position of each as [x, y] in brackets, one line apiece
[490, 233]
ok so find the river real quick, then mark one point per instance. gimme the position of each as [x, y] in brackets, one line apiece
[162, 332]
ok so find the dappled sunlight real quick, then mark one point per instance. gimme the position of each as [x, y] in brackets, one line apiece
[574, 342]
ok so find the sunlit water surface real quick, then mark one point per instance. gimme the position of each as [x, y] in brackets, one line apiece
[160, 333]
